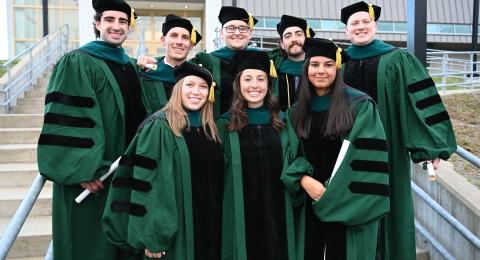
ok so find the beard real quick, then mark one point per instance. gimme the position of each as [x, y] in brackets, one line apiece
[294, 53]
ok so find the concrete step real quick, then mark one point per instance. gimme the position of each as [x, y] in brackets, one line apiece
[28, 109]
[17, 174]
[40, 93]
[11, 197]
[21, 120]
[422, 254]
[19, 135]
[18, 153]
[30, 101]
[33, 239]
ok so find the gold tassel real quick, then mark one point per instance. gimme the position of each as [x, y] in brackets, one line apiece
[193, 36]
[307, 32]
[251, 23]
[211, 94]
[371, 12]
[273, 71]
[132, 18]
[338, 60]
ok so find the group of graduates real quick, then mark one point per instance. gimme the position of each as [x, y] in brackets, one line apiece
[302, 152]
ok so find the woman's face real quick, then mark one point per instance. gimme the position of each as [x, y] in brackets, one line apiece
[254, 86]
[321, 73]
[194, 93]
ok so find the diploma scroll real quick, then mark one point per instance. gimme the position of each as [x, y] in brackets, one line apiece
[86, 192]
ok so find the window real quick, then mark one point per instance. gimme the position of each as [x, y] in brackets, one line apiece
[385, 26]
[432, 28]
[329, 24]
[462, 28]
[314, 24]
[400, 27]
[271, 22]
[446, 28]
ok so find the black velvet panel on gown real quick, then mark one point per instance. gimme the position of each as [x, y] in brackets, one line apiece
[226, 93]
[322, 153]
[282, 90]
[127, 80]
[168, 89]
[263, 193]
[362, 75]
[207, 170]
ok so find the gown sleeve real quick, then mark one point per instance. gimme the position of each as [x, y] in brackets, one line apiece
[358, 192]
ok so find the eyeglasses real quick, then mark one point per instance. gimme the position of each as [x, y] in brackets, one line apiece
[232, 29]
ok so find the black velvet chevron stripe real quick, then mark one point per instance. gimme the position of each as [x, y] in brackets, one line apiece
[131, 183]
[370, 144]
[128, 207]
[138, 160]
[59, 119]
[420, 85]
[67, 141]
[369, 166]
[69, 100]
[368, 188]
[437, 118]
[427, 102]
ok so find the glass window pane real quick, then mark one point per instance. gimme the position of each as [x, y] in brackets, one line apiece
[329, 25]
[446, 28]
[158, 20]
[54, 19]
[21, 46]
[462, 28]
[271, 22]
[432, 28]
[28, 2]
[70, 3]
[70, 17]
[260, 23]
[385, 26]
[400, 27]
[314, 23]
[340, 26]
[26, 23]
[53, 3]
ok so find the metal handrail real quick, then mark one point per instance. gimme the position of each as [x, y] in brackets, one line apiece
[468, 156]
[17, 221]
[438, 246]
[32, 64]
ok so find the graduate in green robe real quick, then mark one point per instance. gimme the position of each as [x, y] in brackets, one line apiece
[166, 195]
[341, 212]
[289, 58]
[179, 37]
[237, 28]
[417, 126]
[258, 213]
[93, 107]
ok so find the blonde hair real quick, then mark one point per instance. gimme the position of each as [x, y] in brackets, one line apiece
[177, 116]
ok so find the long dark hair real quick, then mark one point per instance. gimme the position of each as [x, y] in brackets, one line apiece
[340, 116]
[238, 114]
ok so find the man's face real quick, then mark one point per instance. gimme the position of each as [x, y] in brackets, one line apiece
[360, 29]
[236, 34]
[177, 43]
[292, 41]
[113, 27]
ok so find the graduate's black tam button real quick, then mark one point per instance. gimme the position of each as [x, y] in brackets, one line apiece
[361, 6]
[326, 48]
[188, 69]
[252, 59]
[113, 5]
[229, 13]
[172, 21]
[289, 21]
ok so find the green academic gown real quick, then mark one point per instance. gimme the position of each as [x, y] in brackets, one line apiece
[258, 216]
[84, 131]
[217, 62]
[166, 195]
[416, 124]
[356, 197]
[157, 86]
[289, 72]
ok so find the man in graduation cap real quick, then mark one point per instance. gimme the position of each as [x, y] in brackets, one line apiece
[289, 58]
[415, 120]
[179, 37]
[93, 107]
[237, 28]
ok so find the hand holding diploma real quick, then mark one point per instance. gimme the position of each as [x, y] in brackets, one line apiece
[87, 192]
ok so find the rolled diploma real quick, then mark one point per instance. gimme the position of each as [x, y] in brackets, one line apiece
[341, 156]
[86, 192]
[151, 66]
